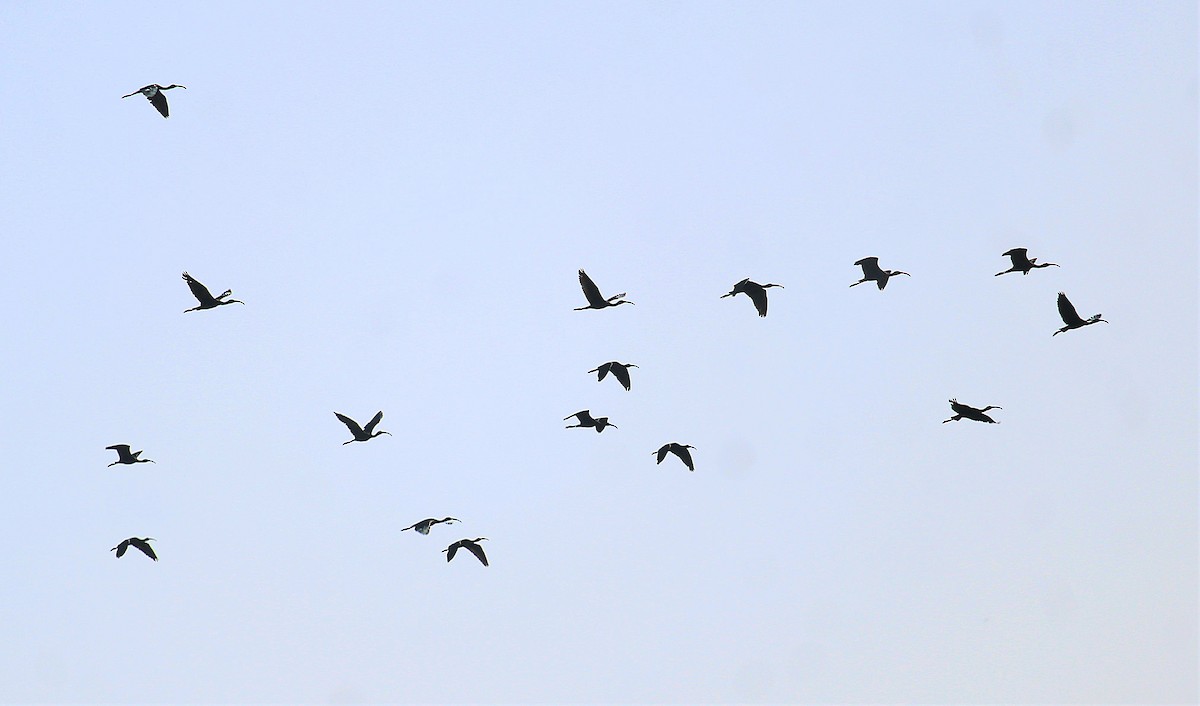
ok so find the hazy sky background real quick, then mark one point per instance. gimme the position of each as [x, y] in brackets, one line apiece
[402, 194]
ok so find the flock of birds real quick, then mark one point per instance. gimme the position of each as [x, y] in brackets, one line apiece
[757, 293]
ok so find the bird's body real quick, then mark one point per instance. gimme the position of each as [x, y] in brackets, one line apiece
[1021, 262]
[586, 420]
[961, 410]
[757, 293]
[680, 450]
[619, 370]
[124, 455]
[1071, 317]
[873, 273]
[596, 300]
[424, 525]
[141, 544]
[471, 545]
[362, 433]
[154, 94]
[206, 299]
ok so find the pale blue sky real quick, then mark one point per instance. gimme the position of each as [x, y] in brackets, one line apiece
[402, 194]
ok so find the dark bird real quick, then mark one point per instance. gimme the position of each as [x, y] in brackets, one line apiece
[1070, 317]
[206, 299]
[142, 544]
[596, 300]
[125, 456]
[961, 410]
[360, 433]
[619, 370]
[680, 450]
[872, 273]
[757, 293]
[154, 94]
[1021, 262]
[424, 525]
[586, 420]
[469, 544]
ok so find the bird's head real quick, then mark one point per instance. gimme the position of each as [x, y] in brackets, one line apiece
[1096, 319]
[451, 519]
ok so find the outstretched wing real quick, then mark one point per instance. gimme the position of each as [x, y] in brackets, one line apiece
[758, 295]
[144, 547]
[685, 456]
[621, 373]
[1019, 256]
[477, 551]
[355, 429]
[159, 101]
[199, 290]
[590, 290]
[121, 548]
[870, 267]
[1067, 311]
[582, 417]
[119, 448]
[662, 452]
[374, 420]
[602, 371]
[451, 550]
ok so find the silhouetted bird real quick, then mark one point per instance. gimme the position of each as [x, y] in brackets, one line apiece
[125, 456]
[596, 300]
[586, 420]
[872, 273]
[470, 545]
[141, 544]
[360, 433]
[757, 293]
[619, 370]
[680, 450]
[154, 94]
[1070, 317]
[424, 525]
[1021, 262]
[961, 410]
[206, 299]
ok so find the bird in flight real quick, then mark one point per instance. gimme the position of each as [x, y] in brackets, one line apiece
[1021, 262]
[141, 544]
[619, 370]
[596, 300]
[424, 525]
[757, 293]
[872, 273]
[471, 545]
[362, 433]
[154, 94]
[206, 299]
[125, 456]
[1070, 317]
[680, 450]
[962, 410]
[586, 420]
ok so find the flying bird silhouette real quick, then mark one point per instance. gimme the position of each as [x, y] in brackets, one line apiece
[961, 410]
[1021, 262]
[362, 433]
[141, 544]
[206, 299]
[424, 525]
[680, 450]
[619, 370]
[587, 421]
[596, 300]
[1070, 317]
[872, 273]
[125, 456]
[757, 293]
[470, 545]
[154, 94]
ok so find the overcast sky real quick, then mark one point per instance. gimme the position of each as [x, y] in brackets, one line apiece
[402, 194]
